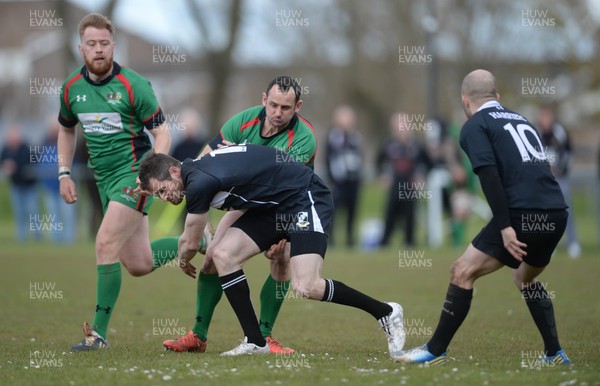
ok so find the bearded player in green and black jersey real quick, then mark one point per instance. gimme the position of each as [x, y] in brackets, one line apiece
[275, 123]
[112, 105]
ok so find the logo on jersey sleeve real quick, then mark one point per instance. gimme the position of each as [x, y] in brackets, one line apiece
[303, 222]
[101, 123]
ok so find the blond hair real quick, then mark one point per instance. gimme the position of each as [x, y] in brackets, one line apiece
[95, 20]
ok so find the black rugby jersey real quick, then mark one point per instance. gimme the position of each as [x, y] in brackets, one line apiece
[243, 177]
[497, 136]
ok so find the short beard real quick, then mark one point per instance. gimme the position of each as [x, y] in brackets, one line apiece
[99, 69]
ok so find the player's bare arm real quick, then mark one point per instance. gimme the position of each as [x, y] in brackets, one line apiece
[162, 138]
[67, 138]
[189, 242]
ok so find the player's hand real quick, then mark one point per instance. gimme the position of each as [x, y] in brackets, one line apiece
[512, 245]
[138, 188]
[188, 268]
[276, 251]
[68, 192]
[225, 143]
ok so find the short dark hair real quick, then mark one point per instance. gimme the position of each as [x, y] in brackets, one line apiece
[156, 165]
[285, 82]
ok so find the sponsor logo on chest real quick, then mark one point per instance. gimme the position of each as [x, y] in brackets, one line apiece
[114, 98]
[101, 123]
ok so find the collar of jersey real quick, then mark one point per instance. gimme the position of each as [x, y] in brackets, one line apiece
[488, 105]
[115, 72]
[263, 117]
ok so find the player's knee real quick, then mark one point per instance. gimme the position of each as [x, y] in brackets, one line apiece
[104, 250]
[139, 270]
[520, 281]
[208, 266]
[221, 256]
[306, 287]
[460, 272]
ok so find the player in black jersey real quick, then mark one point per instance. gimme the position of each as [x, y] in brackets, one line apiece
[282, 199]
[529, 218]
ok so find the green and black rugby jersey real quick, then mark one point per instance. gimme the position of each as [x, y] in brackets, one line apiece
[298, 139]
[112, 114]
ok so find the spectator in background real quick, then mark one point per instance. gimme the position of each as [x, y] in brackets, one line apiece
[194, 137]
[15, 161]
[450, 181]
[555, 140]
[404, 162]
[344, 166]
[55, 206]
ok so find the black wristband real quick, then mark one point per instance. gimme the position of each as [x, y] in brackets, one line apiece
[63, 174]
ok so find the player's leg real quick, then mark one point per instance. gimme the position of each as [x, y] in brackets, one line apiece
[540, 306]
[208, 292]
[136, 254]
[466, 269]
[540, 246]
[272, 295]
[165, 249]
[306, 267]
[229, 254]
[120, 222]
[208, 295]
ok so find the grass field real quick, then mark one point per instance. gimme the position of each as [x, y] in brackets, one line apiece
[336, 345]
[48, 291]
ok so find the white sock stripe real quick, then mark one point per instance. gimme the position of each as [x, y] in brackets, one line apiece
[233, 282]
[317, 226]
[330, 293]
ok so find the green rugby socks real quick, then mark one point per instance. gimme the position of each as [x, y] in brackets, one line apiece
[109, 285]
[272, 296]
[209, 292]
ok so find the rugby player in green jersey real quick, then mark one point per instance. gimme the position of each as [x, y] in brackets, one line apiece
[275, 123]
[112, 105]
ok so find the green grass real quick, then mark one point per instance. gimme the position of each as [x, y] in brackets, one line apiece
[336, 345]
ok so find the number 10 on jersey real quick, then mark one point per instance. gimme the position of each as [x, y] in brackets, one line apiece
[525, 147]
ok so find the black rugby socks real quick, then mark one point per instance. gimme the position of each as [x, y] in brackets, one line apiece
[340, 293]
[540, 306]
[454, 311]
[237, 291]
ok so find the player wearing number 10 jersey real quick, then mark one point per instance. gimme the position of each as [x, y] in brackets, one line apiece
[529, 218]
